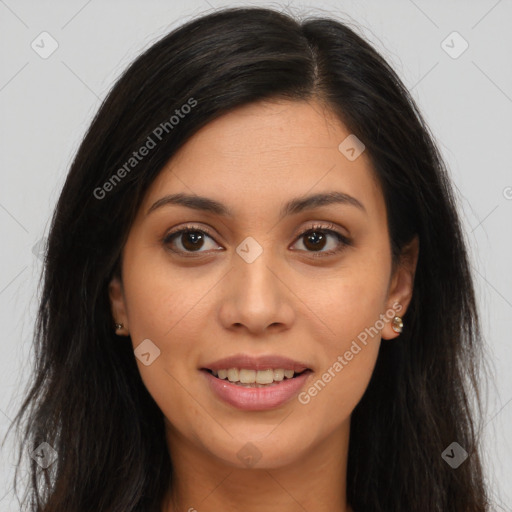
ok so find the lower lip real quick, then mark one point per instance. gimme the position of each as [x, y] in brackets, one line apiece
[256, 399]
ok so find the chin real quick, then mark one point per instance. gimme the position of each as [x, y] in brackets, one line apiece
[268, 450]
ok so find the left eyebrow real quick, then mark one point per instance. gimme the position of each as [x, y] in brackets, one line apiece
[316, 200]
[292, 207]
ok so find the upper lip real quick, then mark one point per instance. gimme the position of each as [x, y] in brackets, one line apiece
[261, 362]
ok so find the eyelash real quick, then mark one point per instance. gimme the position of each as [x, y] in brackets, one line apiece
[326, 229]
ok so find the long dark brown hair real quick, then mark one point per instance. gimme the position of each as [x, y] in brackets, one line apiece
[86, 398]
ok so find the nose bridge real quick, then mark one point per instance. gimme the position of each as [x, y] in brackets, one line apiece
[255, 281]
[256, 297]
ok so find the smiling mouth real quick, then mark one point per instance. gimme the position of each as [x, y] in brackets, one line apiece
[255, 378]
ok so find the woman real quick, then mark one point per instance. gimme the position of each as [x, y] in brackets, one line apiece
[256, 289]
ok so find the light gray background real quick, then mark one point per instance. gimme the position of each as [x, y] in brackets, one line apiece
[46, 105]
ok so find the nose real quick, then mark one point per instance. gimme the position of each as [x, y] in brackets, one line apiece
[256, 297]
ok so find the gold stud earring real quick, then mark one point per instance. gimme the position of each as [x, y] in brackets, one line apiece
[397, 325]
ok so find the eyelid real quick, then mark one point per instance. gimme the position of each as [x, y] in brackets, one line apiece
[326, 226]
[183, 229]
[329, 228]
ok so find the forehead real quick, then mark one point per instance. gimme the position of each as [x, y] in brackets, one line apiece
[264, 152]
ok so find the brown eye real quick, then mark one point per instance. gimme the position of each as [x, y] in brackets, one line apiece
[192, 240]
[189, 240]
[315, 240]
[318, 238]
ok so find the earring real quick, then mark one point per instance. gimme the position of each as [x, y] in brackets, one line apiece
[119, 327]
[397, 325]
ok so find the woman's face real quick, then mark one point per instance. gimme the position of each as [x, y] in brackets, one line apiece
[261, 275]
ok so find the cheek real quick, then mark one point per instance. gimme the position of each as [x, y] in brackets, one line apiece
[168, 310]
[353, 306]
[165, 307]
[160, 297]
[354, 300]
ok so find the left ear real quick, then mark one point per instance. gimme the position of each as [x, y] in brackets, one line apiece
[402, 285]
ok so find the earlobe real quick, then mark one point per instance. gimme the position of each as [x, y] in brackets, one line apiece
[118, 306]
[401, 288]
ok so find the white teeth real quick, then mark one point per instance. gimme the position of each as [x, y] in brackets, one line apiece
[245, 376]
[233, 375]
[265, 376]
[278, 375]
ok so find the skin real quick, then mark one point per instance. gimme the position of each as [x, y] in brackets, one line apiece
[200, 309]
